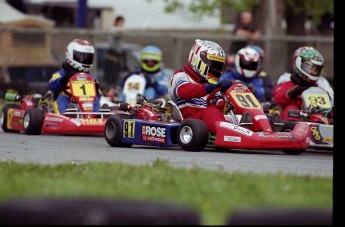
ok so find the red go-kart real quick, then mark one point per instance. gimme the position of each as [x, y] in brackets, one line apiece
[248, 127]
[35, 113]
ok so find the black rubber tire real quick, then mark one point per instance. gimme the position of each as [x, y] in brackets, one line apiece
[36, 117]
[4, 112]
[199, 135]
[113, 131]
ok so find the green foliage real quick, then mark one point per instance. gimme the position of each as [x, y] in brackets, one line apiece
[212, 194]
[312, 8]
[200, 8]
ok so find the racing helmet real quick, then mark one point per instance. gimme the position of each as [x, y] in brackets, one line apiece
[151, 58]
[307, 64]
[207, 59]
[259, 50]
[80, 54]
[247, 62]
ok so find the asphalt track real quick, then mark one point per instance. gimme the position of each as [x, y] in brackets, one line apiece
[55, 149]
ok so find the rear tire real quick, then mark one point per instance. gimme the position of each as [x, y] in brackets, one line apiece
[4, 117]
[192, 135]
[33, 120]
[113, 131]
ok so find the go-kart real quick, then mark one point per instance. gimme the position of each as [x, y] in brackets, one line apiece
[150, 128]
[317, 112]
[35, 113]
[148, 122]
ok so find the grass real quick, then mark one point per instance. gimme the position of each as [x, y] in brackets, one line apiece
[212, 194]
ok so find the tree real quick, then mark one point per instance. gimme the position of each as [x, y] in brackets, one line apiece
[295, 12]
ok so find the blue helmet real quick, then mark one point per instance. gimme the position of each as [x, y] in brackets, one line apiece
[151, 57]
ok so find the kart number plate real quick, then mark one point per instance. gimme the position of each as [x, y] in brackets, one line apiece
[318, 100]
[246, 100]
[83, 88]
[128, 129]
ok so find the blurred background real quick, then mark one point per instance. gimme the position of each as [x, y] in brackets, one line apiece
[34, 33]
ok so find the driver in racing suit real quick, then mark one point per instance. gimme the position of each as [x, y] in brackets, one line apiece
[190, 86]
[307, 64]
[79, 58]
[151, 69]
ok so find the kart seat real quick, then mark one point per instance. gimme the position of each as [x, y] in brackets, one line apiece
[276, 122]
[246, 120]
[71, 109]
[175, 111]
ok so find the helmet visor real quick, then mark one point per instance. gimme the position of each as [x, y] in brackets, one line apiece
[312, 69]
[248, 65]
[215, 63]
[83, 57]
[216, 68]
[150, 63]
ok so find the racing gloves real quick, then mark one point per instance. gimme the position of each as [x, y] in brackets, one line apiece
[224, 84]
[295, 91]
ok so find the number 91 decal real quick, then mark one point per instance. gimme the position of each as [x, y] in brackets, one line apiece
[246, 100]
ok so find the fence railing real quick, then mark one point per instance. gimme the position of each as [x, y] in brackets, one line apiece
[175, 45]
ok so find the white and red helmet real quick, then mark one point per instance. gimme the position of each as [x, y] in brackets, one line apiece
[207, 59]
[80, 54]
[247, 62]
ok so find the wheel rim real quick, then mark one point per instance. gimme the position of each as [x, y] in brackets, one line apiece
[26, 121]
[110, 130]
[186, 134]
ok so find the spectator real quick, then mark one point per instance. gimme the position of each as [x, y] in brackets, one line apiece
[244, 28]
[115, 62]
[119, 25]
[326, 25]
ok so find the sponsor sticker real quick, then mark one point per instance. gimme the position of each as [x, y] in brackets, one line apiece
[259, 117]
[54, 119]
[153, 133]
[236, 128]
[76, 122]
[91, 121]
[235, 139]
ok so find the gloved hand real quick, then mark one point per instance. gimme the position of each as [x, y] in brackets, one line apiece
[251, 87]
[224, 84]
[296, 90]
[219, 103]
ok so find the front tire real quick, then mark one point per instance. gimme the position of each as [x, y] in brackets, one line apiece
[113, 131]
[33, 120]
[192, 135]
